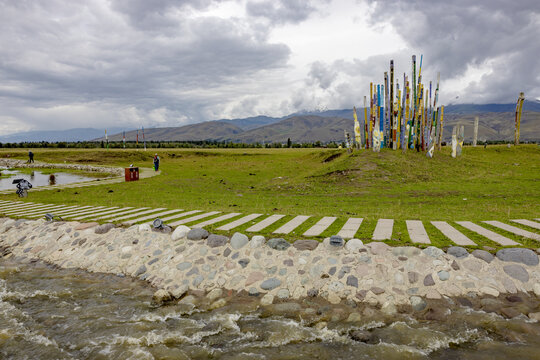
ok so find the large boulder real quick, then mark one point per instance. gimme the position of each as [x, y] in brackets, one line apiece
[180, 232]
[103, 229]
[278, 244]
[306, 244]
[216, 240]
[239, 240]
[519, 255]
[197, 234]
[457, 251]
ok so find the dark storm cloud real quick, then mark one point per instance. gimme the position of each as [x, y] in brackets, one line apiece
[59, 53]
[455, 35]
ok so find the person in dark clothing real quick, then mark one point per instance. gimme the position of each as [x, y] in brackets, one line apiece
[156, 162]
[30, 157]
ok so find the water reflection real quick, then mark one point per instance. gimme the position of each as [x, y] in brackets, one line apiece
[52, 179]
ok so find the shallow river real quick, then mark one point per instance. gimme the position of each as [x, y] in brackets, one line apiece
[46, 313]
[38, 179]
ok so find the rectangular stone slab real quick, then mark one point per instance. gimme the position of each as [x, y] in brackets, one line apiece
[350, 228]
[53, 211]
[176, 216]
[291, 225]
[194, 218]
[128, 214]
[136, 214]
[530, 223]
[24, 206]
[383, 230]
[239, 222]
[417, 232]
[81, 208]
[87, 211]
[493, 236]
[515, 230]
[35, 210]
[216, 220]
[453, 234]
[153, 216]
[266, 222]
[95, 215]
[320, 226]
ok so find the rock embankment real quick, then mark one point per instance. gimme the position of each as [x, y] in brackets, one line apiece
[14, 163]
[192, 260]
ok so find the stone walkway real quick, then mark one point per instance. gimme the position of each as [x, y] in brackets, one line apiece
[259, 222]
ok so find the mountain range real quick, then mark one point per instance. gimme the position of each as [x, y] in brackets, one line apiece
[496, 122]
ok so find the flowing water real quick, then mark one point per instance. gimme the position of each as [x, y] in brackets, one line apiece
[47, 313]
[37, 178]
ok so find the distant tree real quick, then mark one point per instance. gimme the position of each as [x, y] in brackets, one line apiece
[289, 143]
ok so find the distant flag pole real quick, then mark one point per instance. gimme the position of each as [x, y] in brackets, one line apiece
[106, 139]
[124, 138]
[144, 140]
[137, 143]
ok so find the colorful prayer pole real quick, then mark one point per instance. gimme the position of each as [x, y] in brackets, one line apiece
[519, 108]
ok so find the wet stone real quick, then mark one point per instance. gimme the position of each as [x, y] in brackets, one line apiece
[198, 280]
[283, 294]
[417, 303]
[253, 291]
[312, 292]
[141, 270]
[514, 299]
[428, 280]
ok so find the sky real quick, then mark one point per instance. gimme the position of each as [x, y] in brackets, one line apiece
[131, 63]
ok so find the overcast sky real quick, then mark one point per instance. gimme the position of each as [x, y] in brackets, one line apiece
[132, 63]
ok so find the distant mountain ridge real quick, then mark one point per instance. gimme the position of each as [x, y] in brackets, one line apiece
[496, 123]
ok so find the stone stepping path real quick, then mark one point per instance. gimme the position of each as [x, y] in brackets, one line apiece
[265, 223]
[151, 216]
[383, 230]
[194, 218]
[493, 236]
[350, 228]
[95, 216]
[453, 234]
[320, 226]
[92, 209]
[176, 216]
[137, 214]
[514, 230]
[417, 232]
[216, 220]
[125, 213]
[238, 222]
[529, 223]
[95, 212]
[291, 225]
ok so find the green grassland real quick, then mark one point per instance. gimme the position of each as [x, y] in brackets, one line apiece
[495, 183]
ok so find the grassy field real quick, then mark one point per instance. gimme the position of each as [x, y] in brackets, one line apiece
[496, 183]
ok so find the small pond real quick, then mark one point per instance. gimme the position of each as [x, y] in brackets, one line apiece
[38, 178]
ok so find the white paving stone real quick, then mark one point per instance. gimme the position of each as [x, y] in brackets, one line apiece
[215, 220]
[529, 223]
[52, 211]
[95, 215]
[126, 214]
[350, 228]
[291, 225]
[515, 230]
[152, 216]
[79, 208]
[35, 210]
[265, 223]
[176, 216]
[383, 230]
[194, 218]
[87, 211]
[417, 232]
[22, 206]
[453, 234]
[493, 236]
[238, 222]
[137, 214]
[320, 226]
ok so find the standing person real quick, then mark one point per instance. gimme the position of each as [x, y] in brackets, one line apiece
[156, 162]
[30, 156]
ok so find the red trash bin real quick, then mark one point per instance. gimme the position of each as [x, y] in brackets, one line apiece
[132, 173]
